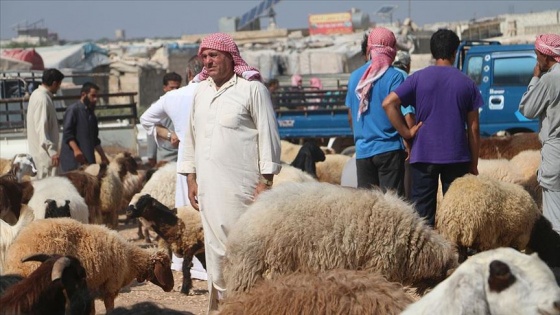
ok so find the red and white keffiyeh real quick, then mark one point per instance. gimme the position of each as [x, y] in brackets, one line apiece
[549, 44]
[381, 48]
[224, 42]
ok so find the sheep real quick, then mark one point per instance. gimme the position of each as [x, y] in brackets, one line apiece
[21, 166]
[183, 232]
[55, 210]
[545, 242]
[11, 198]
[110, 261]
[289, 151]
[527, 163]
[111, 191]
[500, 169]
[509, 146]
[89, 187]
[57, 286]
[306, 158]
[290, 174]
[482, 213]
[330, 170]
[336, 227]
[161, 185]
[332, 292]
[58, 188]
[498, 282]
[8, 232]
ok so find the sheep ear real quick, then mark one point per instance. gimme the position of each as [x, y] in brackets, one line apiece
[500, 277]
[36, 257]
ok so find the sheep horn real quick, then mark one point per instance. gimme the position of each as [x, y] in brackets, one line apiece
[58, 268]
[36, 257]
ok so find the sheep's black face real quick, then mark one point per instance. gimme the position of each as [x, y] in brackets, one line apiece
[132, 212]
[136, 211]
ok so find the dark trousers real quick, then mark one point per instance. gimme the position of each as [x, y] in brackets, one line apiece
[425, 185]
[385, 170]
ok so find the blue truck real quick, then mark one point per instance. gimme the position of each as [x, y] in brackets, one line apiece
[502, 72]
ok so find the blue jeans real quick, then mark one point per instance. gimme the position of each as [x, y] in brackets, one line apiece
[425, 185]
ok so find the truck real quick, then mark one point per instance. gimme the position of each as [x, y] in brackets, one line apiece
[502, 73]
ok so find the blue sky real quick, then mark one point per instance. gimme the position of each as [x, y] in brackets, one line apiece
[95, 19]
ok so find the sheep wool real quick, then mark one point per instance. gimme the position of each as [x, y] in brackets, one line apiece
[312, 227]
[110, 261]
[330, 170]
[9, 232]
[332, 292]
[483, 213]
[291, 174]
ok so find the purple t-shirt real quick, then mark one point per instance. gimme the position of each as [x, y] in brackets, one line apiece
[442, 97]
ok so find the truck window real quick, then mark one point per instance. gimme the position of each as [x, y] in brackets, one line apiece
[474, 69]
[516, 71]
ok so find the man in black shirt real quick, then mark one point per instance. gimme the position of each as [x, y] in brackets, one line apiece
[80, 135]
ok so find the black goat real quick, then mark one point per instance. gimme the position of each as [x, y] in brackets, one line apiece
[57, 286]
[55, 211]
[186, 239]
[545, 242]
[307, 156]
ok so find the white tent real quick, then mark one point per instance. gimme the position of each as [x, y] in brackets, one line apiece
[82, 57]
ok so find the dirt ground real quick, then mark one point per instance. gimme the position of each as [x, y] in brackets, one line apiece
[195, 303]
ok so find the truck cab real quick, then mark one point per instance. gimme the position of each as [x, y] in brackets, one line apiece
[502, 73]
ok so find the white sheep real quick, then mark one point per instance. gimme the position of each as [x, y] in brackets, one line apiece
[59, 188]
[289, 151]
[9, 232]
[330, 170]
[331, 292]
[290, 174]
[502, 281]
[483, 213]
[110, 261]
[312, 227]
[21, 166]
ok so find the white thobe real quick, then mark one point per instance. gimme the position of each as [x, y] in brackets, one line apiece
[232, 139]
[175, 105]
[42, 131]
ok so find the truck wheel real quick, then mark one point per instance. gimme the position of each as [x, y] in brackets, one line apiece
[349, 151]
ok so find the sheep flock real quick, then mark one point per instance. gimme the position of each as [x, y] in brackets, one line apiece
[306, 246]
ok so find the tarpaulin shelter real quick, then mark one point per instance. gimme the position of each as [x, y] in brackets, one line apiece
[26, 55]
[82, 57]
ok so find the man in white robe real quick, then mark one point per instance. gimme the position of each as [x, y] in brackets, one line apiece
[232, 149]
[43, 131]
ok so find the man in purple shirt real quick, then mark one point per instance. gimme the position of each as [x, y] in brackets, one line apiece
[446, 101]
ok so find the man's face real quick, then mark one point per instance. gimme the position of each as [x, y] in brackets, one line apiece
[171, 85]
[218, 64]
[542, 61]
[90, 99]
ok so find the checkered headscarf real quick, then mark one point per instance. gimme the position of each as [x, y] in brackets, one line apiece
[224, 43]
[381, 47]
[549, 44]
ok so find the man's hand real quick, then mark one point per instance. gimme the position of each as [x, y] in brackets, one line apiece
[193, 190]
[174, 140]
[414, 130]
[260, 188]
[79, 156]
[537, 71]
[55, 160]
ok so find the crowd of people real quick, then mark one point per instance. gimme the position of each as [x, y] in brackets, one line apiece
[222, 130]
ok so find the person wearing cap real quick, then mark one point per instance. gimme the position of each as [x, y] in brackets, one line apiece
[542, 101]
[446, 138]
[232, 147]
[380, 151]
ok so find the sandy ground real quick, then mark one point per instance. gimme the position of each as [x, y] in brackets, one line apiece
[195, 303]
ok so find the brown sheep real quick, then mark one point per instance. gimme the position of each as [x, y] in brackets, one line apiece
[509, 146]
[339, 291]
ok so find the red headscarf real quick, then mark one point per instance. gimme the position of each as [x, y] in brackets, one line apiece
[225, 43]
[316, 83]
[381, 48]
[549, 44]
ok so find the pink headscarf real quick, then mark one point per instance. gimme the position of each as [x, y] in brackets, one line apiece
[549, 44]
[316, 83]
[296, 80]
[381, 47]
[225, 43]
